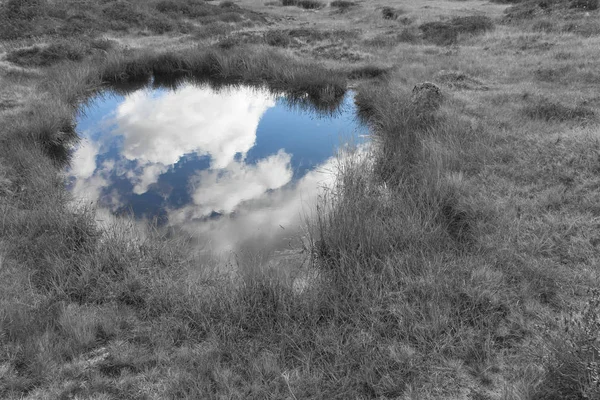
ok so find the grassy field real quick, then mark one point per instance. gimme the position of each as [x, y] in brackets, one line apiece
[454, 259]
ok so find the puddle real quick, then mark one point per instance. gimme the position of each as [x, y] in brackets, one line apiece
[235, 168]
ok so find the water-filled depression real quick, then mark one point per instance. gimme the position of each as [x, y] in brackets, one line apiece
[231, 167]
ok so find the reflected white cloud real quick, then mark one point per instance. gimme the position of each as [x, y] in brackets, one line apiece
[159, 130]
[90, 188]
[223, 190]
[149, 175]
[269, 219]
[83, 163]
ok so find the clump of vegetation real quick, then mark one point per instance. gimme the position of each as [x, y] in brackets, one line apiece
[399, 136]
[306, 4]
[573, 371]
[523, 10]
[37, 56]
[228, 4]
[368, 72]
[263, 66]
[472, 24]
[586, 5]
[178, 7]
[446, 33]
[216, 29]
[459, 80]
[585, 28]
[440, 33]
[277, 38]
[122, 15]
[103, 44]
[55, 52]
[22, 18]
[297, 37]
[315, 35]
[548, 110]
[350, 254]
[544, 25]
[195, 8]
[530, 9]
[406, 35]
[29, 18]
[25, 9]
[123, 12]
[551, 74]
[342, 5]
[310, 4]
[391, 13]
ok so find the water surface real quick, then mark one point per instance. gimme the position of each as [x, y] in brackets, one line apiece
[233, 167]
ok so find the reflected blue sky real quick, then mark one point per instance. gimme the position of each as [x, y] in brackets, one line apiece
[226, 165]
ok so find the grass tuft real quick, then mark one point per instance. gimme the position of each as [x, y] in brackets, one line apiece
[446, 33]
[122, 13]
[343, 5]
[472, 24]
[459, 80]
[368, 72]
[33, 18]
[533, 9]
[391, 13]
[440, 33]
[263, 66]
[306, 4]
[25, 9]
[573, 371]
[548, 110]
[406, 35]
[38, 56]
[228, 4]
[586, 5]
[310, 4]
[278, 38]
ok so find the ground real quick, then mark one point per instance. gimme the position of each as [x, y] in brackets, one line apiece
[457, 258]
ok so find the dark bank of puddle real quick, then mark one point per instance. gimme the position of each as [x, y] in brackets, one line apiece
[233, 167]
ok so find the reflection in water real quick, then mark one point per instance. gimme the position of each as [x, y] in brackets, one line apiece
[230, 166]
